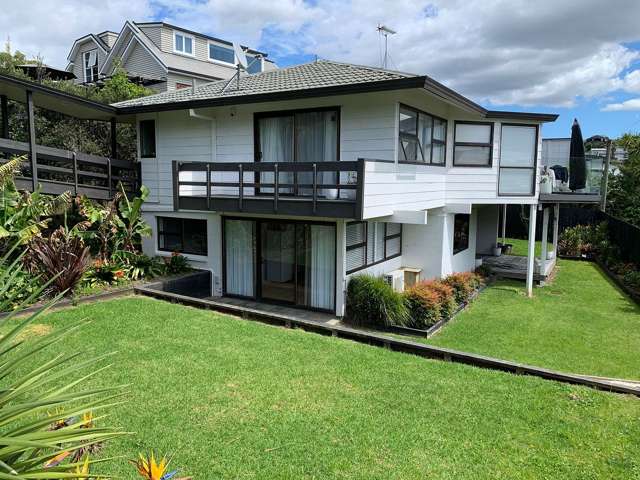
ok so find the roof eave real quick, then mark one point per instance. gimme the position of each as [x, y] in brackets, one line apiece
[384, 85]
[531, 116]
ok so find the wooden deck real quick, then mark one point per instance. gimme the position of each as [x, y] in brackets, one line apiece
[514, 266]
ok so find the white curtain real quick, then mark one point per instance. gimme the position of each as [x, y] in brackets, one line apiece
[276, 145]
[323, 264]
[316, 141]
[239, 257]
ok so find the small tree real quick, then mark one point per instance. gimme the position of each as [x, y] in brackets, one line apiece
[623, 198]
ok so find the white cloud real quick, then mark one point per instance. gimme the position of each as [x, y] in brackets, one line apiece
[626, 106]
[499, 52]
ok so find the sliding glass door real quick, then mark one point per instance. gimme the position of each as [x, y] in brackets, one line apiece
[295, 262]
[297, 136]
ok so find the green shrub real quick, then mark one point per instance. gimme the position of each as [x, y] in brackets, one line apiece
[446, 297]
[138, 265]
[23, 286]
[583, 240]
[372, 302]
[425, 305]
[104, 273]
[632, 280]
[176, 263]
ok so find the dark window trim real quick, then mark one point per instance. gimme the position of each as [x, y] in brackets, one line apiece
[433, 140]
[181, 235]
[257, 273]
[155, 146]
[455, 252]
[366, 247]
[472, 144]
[535, 161]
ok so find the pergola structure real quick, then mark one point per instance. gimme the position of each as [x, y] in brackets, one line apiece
[55, 170]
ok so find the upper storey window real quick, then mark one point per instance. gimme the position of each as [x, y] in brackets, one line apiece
[422, 137]
[90, 62]
[221, 54]
[183, 43]
[518, 152]
[473, 144]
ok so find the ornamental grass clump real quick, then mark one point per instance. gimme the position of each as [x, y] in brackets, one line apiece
[372, 302]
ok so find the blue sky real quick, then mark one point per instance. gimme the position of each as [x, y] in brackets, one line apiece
[544, 56]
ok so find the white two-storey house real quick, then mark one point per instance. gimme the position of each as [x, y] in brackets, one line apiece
[288, 182]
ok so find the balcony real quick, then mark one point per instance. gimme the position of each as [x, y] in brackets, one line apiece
[322, 189]
[58, 171]
[558, 191]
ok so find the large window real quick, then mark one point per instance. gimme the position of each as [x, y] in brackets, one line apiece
[473, 144]
[147, 134]
[422, 137]
[222, 54]
[90, 62]
[184, 235]
[518, 146]
[461, 232]
[369, 243]
[183, 43]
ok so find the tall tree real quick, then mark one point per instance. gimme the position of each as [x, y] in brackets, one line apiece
[623, 196]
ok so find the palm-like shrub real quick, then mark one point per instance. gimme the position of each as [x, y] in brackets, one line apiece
[372, 302]
[44, 404]
[59, 259]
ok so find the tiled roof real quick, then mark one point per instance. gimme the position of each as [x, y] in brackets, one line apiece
[318, 74]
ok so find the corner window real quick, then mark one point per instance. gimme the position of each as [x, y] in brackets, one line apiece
[222, 54]
[90, 62]
[422, 137]
[369, 243]
[518, 148]
[183, 43]
[473, 144]
[147, 138]
[254, 64]
[183, 235]
[461, 232]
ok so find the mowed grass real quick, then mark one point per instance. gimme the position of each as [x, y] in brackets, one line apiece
[580, 323]
[235, 399]
[521, 247]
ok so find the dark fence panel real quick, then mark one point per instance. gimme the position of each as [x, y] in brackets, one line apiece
[621, 233]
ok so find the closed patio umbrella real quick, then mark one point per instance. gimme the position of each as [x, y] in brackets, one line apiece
[577, 164]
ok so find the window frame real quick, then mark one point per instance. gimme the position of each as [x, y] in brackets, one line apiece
[535, 160]
[215, 60]
[182, 235]
[155, 140]
[472, 144]
[184, 35]
[254, 57]
[433, 140]
[453, 243]
[365, 244]
[85, 68]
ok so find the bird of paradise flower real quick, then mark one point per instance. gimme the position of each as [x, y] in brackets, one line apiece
[150, 469]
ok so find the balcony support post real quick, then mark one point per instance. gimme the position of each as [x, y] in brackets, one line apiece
[531, 248]
[504, 223]
[208, 186]
[556, 222]
[240, 186]
[545, 237]
[276, 188]
[114, 138]
[31, 122]
[315, 187]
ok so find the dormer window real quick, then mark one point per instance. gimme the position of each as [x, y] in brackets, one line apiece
[183, 43]
[254, 64]
[219, 53]
[90, 62]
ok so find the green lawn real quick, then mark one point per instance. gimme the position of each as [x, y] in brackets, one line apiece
[520, 247]
[579, 323]
[236, 399]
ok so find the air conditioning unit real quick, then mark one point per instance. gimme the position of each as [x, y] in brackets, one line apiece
[395, 279]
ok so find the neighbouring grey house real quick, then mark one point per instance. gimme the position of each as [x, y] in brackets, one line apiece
[161, 56]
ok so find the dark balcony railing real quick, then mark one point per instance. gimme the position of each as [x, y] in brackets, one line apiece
[325, 189]
[60, 170]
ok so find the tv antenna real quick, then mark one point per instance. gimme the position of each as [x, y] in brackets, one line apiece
[241, 64]
[385, 31]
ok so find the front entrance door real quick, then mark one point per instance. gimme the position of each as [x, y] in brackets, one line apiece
[278, 261]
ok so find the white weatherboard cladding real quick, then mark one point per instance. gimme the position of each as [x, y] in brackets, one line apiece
[140, 62]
